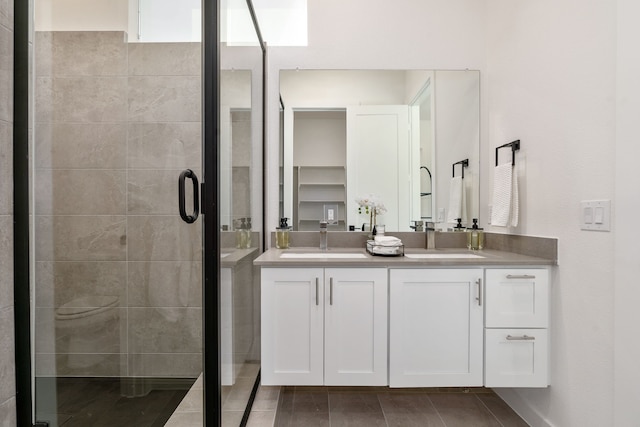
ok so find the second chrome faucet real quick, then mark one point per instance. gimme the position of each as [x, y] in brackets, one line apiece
[323, 235]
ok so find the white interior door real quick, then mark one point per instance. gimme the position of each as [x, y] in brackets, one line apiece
[379, 162]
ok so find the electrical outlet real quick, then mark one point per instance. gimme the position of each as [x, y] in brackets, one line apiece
[441, 215]
[330, 214]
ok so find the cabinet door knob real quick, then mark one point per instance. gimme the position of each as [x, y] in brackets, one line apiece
[317, 294]
[522, 338]
[520, 276]
[479, 297]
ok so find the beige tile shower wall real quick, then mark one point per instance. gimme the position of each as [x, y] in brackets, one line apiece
[115, 124]
[164, 272]
[7, 341]
[80, 198]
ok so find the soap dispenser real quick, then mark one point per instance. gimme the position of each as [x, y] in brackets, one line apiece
[241, 237]
[282, 234]
[247, 234]
[459, 226]
[475, 236]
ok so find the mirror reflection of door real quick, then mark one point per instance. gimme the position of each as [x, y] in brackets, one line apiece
[380, 163]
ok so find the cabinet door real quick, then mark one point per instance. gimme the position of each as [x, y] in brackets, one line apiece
[355, 326]
[517, 298]
[292, 326]
[516, 358]
[436, 331]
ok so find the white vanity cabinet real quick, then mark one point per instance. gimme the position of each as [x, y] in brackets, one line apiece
[516, 334]
[436, 327]
[324, 326]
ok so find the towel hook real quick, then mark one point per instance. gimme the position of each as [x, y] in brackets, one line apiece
[515, 146]
[464, 163]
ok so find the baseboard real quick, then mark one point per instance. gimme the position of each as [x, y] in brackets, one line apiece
[522, 408]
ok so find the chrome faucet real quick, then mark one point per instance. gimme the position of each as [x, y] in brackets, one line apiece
[323, 235]
[431, 235]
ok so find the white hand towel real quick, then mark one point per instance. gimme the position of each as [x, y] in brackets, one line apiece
[456, 196]
[387, 241]
[505, 196]
[515, 201]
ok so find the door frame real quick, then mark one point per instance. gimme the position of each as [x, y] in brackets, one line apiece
[21, 247]
[211, 357]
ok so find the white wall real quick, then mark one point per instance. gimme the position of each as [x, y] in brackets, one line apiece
[340, 89]
[361, 34]
[627, 182]
[320, 138]
[81, 15]
[550, 82]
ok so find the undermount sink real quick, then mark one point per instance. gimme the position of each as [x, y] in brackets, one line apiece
[322, 255]
[443, 256]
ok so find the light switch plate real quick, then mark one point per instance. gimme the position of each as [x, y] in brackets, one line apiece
[595, 215]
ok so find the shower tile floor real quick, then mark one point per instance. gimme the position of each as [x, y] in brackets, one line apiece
[234, 401]
[98, 402]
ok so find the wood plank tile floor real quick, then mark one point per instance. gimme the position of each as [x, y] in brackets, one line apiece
[385, 407]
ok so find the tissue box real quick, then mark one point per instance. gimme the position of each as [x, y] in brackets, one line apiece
[379, 250]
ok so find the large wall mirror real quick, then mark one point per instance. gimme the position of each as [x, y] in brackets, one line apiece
[407, 138]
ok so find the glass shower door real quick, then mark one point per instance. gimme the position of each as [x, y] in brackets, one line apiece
[117, 275]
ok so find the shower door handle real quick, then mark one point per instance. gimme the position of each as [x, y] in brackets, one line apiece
[189, 219]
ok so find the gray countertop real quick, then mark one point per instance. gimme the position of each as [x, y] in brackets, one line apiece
[271, 258]
[229, 257]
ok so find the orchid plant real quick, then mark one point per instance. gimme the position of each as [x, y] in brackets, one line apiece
[371, 205]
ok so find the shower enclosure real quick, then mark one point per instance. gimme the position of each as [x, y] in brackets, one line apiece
[131, 304]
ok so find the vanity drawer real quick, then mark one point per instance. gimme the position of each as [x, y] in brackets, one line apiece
[517, 298]
[516, 358]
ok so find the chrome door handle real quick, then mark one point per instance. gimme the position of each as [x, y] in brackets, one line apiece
[520, 276]
[317, 295]
[479, 297]
[331, 291]
[522, 338]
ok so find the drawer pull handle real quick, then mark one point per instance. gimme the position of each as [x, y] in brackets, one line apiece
[522, 338]
[331, 291]
[479, 297]
[317, 295]
[520, 276]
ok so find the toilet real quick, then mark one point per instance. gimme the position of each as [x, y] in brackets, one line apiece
[85, 321]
